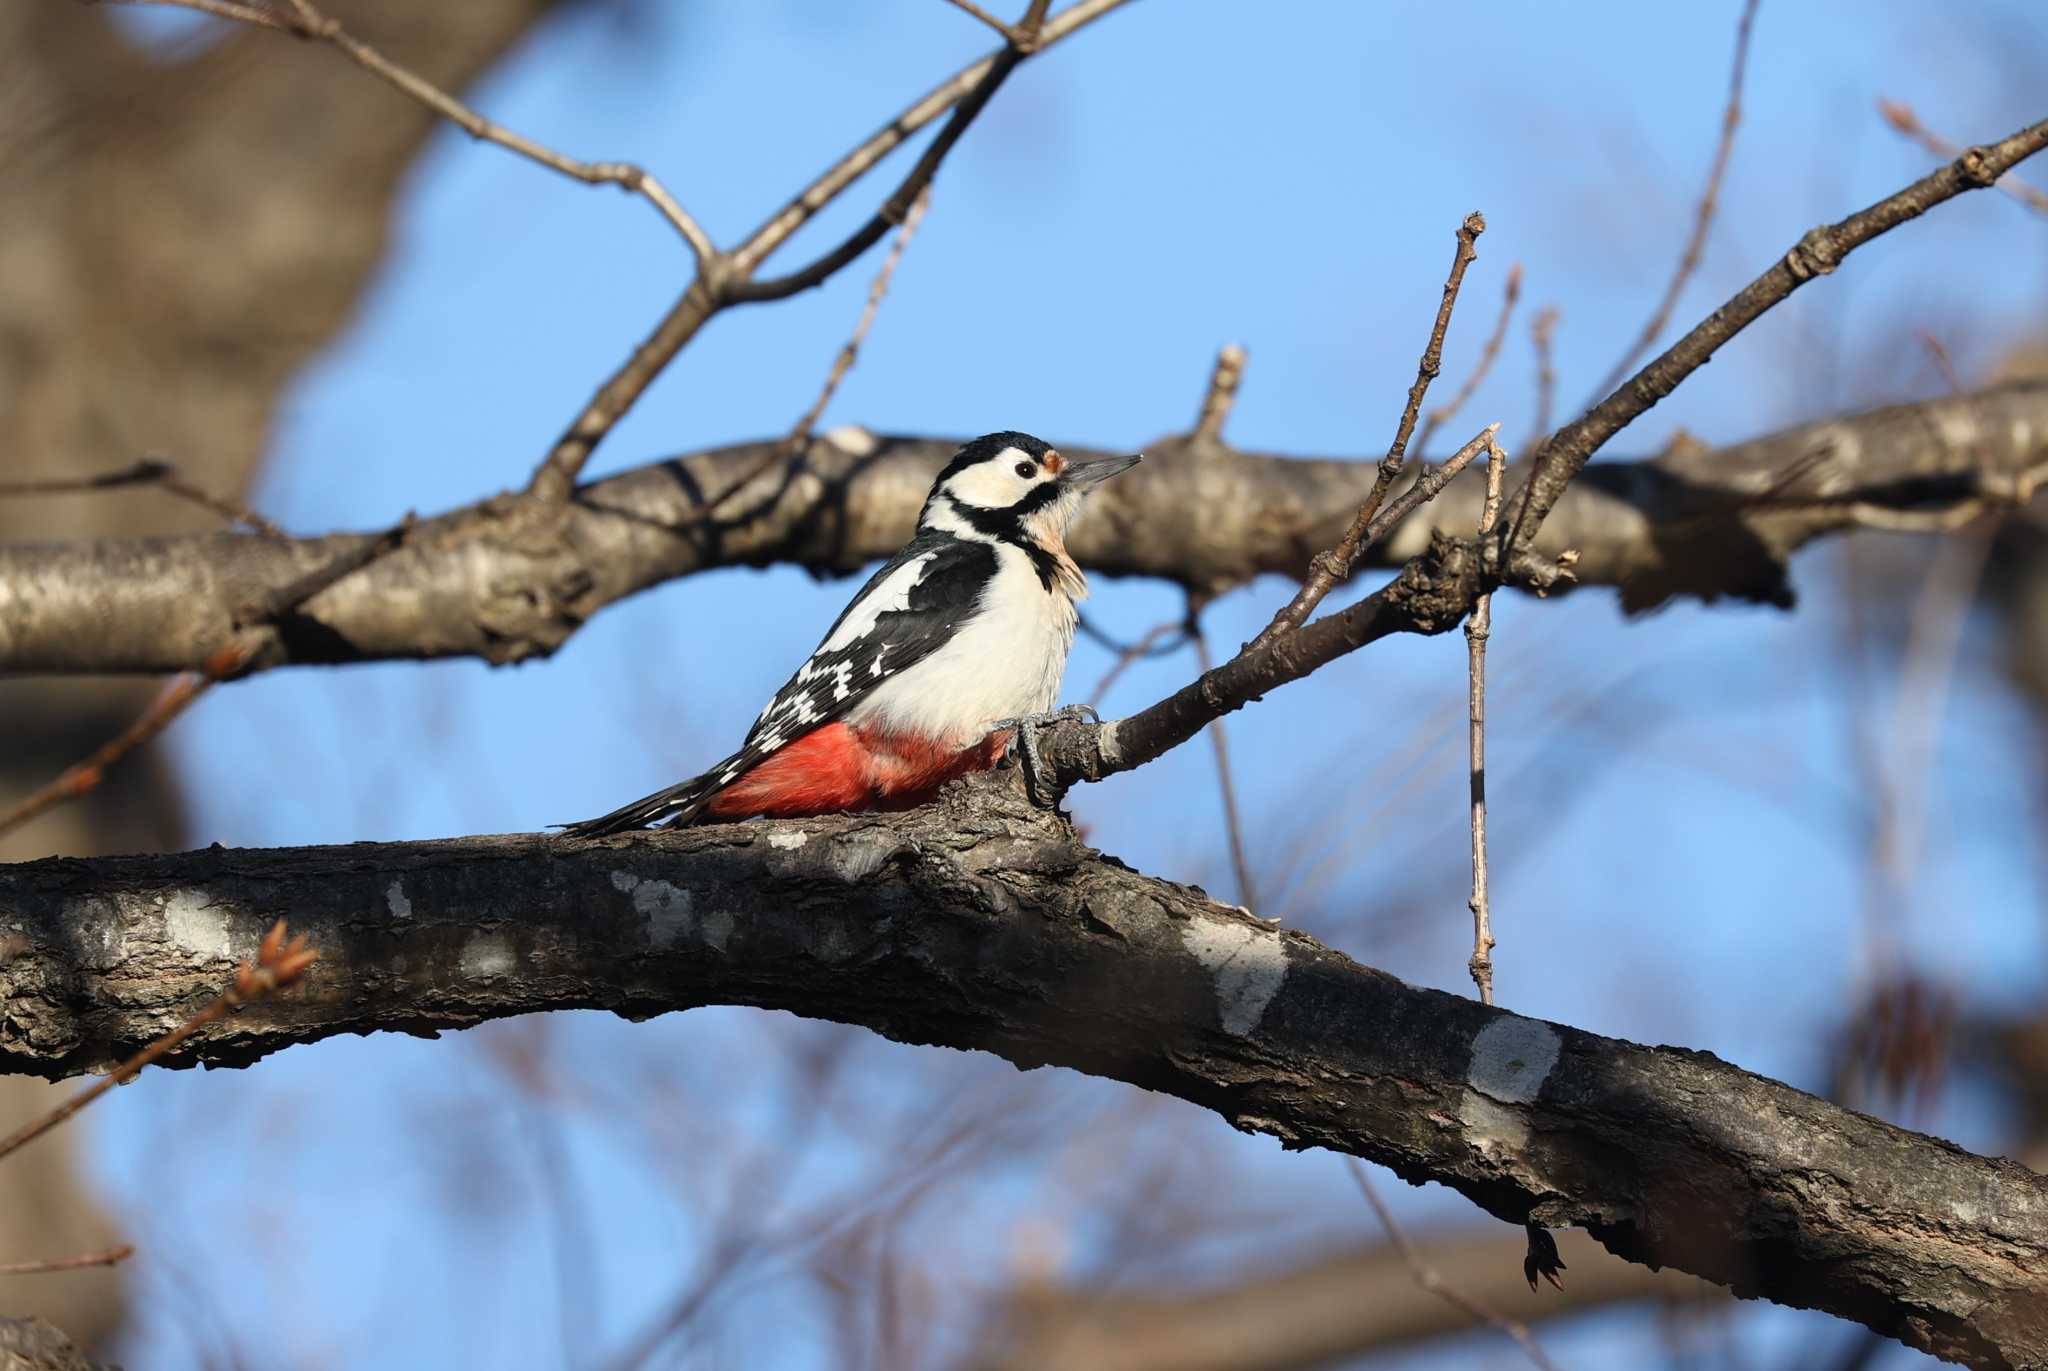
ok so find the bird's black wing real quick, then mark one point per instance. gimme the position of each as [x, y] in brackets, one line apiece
[905, 612]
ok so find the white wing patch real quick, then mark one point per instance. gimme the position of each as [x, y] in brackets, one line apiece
[891, 595]
[834, 672]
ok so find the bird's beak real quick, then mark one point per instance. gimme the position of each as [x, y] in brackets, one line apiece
[1082, 475]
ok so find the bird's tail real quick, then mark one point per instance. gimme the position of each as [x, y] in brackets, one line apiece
[677, 805]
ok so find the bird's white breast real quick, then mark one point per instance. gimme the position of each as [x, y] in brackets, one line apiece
[1006, 660]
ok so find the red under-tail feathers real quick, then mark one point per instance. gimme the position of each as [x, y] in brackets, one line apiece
[830, 770]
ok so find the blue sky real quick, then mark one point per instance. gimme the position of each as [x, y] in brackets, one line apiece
[1680, 819]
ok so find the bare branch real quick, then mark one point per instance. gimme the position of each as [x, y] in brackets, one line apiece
[1542, 337]
[1233, 822]
[1447, 411]
[252, 625]
[1904, 121]
[893, 210]
[151, 471]
[1429, 1279]
[1703, 217]
[1334, 565]
[894, 921]
[112, 1256]
[1147, 645]
[1311, 1314]
[728, 278]
[1218, 400]
[849, 352]
[799, 211]
[1478, 628]
[984, 16]
[277, 965]
[172, 700]
[1817, 253]
[305, 21]
[1324, 1311]
[1431, 595]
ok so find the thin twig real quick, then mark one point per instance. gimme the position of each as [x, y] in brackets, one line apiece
[1427, 1277]
[1943, 363]
[747, 290]
[1095, 751]
[1478, 628]
[1333, 566]
[307, 22]
[1233, 824]
[728, 278]
[985, 17]
[808, 202]
[280, 962]
[1903, 120]
[82, 778]
[1426, 487]
[180, 692]
[849, 352]
[112, 1256]
[1148, 645]
[1703, 217]
[1817, 253]
[1933, 644]
[1542, 338]
[722, 278]
[1444, 413]
[1221, 396]
[150, 471]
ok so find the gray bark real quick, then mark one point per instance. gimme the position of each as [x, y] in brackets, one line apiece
[981, 922]
[508, 579]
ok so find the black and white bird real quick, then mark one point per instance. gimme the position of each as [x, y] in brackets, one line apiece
[960, 638]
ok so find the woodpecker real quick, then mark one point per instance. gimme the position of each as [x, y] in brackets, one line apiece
[960, 638]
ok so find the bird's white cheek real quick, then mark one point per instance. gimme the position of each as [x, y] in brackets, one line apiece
[990, 485]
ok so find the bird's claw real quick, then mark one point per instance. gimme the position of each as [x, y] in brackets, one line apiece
[1024, 741]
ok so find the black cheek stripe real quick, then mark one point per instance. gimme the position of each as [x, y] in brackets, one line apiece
[1007, 526]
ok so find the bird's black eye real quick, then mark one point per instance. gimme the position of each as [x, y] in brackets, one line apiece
[1026, 470]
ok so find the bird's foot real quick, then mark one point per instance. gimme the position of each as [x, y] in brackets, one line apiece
[1024, 742]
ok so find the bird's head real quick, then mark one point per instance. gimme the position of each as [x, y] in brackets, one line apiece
[1013, 485]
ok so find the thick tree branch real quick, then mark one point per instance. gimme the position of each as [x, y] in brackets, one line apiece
[494, 581]
[980, 922]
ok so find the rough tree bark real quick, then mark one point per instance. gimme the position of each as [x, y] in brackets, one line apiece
[505, 581]
[981, 922]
